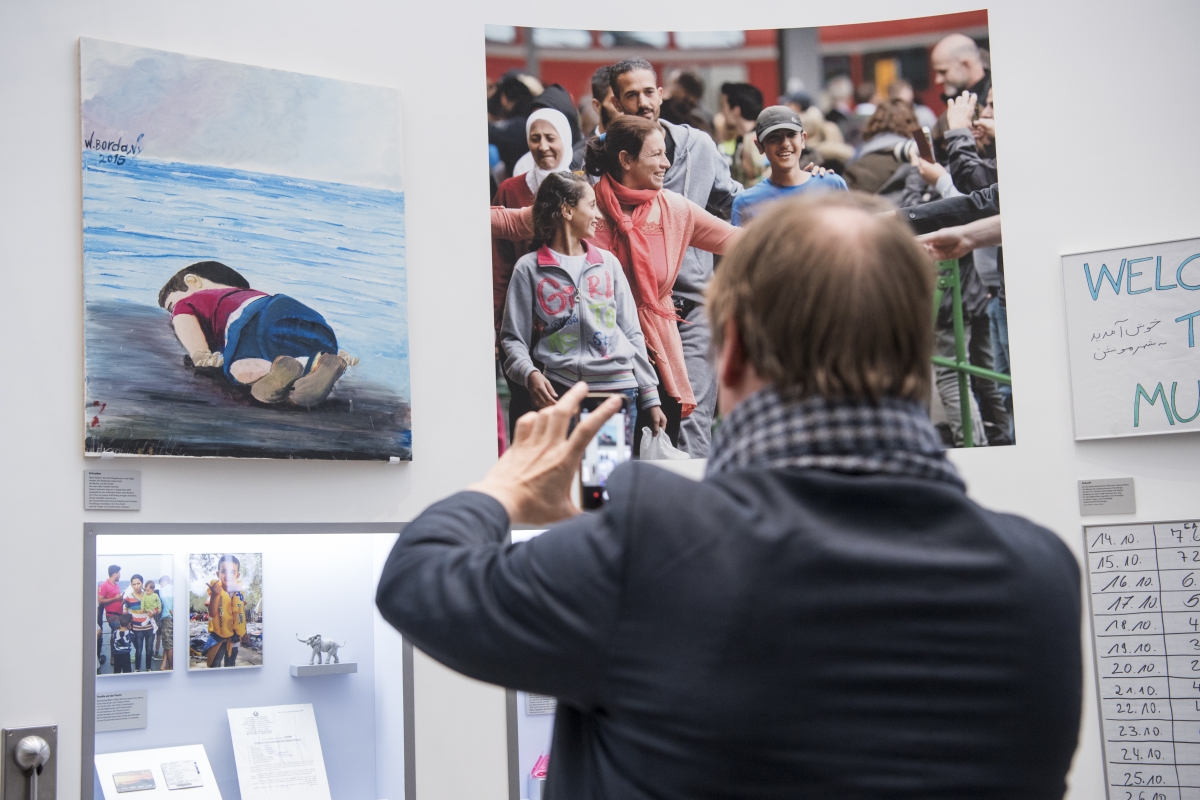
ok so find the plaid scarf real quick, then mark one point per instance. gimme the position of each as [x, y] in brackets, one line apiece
[774, 430]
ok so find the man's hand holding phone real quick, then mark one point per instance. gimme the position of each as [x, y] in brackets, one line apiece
[533, 479]
[931, 171]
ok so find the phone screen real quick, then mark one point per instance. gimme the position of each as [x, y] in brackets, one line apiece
[924, 143]
[609, 448]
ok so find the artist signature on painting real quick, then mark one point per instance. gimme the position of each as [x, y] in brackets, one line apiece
[113, 151]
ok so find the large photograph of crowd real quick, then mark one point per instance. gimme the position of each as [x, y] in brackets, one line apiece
[625, 163]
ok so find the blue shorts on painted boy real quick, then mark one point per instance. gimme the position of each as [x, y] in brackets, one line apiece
[748, 204]
[274, 326]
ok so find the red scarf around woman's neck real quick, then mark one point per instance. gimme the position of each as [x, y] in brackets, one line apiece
[656, 314]
[629, 244]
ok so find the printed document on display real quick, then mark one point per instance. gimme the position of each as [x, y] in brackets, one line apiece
[278, 753]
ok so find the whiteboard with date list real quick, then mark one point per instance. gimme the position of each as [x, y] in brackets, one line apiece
[1144, 591]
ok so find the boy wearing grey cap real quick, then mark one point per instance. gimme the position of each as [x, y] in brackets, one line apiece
[780, 137]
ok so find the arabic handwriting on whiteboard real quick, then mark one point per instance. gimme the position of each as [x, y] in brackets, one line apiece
[1126, 329]
[1131, 350]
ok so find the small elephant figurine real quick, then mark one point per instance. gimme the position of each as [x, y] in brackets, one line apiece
[319, 646]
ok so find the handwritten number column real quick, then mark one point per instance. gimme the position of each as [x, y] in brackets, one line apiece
[1179, 569]
[1132, 660]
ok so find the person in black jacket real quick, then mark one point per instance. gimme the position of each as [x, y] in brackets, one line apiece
[971, 157]
[993, 402]
[958, 67]
[888, 165]
[970, 148]
[825, 615]
[981, 276]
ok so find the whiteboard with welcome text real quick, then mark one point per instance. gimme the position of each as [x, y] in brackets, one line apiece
[1133, 325]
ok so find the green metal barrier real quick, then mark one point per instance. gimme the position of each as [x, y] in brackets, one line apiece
[948, 278]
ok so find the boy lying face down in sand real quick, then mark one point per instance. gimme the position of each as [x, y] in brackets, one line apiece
[279, 347]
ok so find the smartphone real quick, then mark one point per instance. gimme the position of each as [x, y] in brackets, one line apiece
[924, 143]
[611, 446]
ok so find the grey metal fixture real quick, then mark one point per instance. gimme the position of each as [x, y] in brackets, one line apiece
[29, 765]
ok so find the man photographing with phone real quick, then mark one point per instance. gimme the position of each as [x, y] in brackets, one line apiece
[825, 615]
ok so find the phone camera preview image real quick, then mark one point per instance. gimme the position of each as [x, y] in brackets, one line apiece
[608, 448]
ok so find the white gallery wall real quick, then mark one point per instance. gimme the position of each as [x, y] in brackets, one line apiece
[1096, 114]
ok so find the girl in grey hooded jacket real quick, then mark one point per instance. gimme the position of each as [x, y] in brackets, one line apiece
[571, 316]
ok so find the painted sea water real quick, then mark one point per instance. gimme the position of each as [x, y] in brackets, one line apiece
[337, 248]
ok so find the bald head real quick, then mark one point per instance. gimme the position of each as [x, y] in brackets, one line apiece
[849, 228]
[956, 62]
[826, 296]
[958, 45]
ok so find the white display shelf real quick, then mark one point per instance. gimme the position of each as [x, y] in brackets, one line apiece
[313, 670]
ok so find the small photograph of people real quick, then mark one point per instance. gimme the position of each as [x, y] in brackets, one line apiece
[225, 608]
[624, 164]
[135, 613]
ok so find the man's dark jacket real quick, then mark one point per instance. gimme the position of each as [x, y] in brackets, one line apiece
[764, 634]
[953, 211]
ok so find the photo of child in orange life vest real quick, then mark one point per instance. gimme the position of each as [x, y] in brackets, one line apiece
[282, 350]
[225, 619]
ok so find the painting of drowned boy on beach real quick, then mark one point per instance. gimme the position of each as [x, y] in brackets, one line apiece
[244, 261]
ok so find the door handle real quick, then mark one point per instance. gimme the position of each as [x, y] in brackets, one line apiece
[31, 755]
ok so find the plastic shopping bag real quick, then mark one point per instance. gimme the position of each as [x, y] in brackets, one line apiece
[659, 448]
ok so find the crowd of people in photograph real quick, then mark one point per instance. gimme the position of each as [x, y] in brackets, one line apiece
[140, 619]
[608, 219]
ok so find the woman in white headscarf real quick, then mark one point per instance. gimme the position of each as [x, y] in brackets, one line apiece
[549, 137]
[550, 150]
[531, 161]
